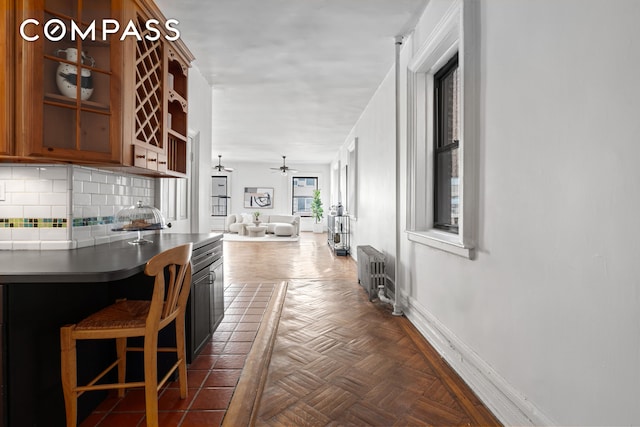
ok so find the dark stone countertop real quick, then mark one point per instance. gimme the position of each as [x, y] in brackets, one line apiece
[102, 263]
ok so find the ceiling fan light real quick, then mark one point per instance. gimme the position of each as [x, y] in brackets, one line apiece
[219, 168]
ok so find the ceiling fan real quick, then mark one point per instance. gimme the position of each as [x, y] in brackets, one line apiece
[284, 169]
[219, 168]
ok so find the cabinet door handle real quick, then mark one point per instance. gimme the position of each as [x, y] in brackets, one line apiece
[212, 277]
[163, 163]
[152, 160]
[140, 156]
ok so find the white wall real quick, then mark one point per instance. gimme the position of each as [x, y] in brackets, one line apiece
[254, 174]
[375, 222]
[200, 111]
[545, 322]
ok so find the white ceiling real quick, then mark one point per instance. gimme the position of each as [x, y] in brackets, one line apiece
[290, 77]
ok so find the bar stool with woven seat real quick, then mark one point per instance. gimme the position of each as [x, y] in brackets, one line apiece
[125, 319]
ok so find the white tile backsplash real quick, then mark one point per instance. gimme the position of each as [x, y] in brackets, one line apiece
[90, 187]
[53, 199]
[25, 234]
[38, 186]
[14, 186]
[5, 234]
[11, 211]
[60, 186]
[81, 199]
[25, 198]
[54, 173]
[25, 172]
[61, 191]
[50, 234]
[31, 245]
[59, 212]
[37, 211]
[57, 245]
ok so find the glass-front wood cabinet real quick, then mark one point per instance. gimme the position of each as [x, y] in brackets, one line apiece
[68, 88]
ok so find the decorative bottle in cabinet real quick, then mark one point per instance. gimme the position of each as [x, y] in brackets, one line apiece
[67, 75]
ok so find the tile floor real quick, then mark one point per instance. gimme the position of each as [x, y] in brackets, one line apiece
[212, 377]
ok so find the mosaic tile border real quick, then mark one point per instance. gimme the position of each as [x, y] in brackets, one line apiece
[33, 222]
[93, 220]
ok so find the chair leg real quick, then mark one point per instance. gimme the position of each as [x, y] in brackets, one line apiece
[180, 345]
[69, 374]
[121, 352]
[151, 380]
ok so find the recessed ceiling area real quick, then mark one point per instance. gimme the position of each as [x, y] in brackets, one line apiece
[290, 77]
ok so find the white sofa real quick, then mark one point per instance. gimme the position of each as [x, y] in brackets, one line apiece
[280, 225]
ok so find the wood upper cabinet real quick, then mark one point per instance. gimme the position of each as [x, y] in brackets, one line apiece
[92, 98]
[68, 91]
[155, 131]
[6, 79]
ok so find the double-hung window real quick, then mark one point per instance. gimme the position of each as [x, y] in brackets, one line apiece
[302, 195]
[219, 196]
[446, 146]
[442, 133]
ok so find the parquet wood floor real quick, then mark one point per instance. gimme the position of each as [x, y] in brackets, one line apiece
[336, 358]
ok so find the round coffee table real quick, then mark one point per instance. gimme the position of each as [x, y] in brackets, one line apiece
[256, 230]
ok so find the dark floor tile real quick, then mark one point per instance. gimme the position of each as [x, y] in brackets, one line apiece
[223, 378]
[237, 347]
[232, 361]
[170, 400]
[195, 377]
[203, 419]
[93, 420]
[109, 403]
[251, 318]
[169, 419]
[212, 398]
[247, 326]
[122, 419]
[133, 401]
[243, 336]
[204, 361]
[220, 336]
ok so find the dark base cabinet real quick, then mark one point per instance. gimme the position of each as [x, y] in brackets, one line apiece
[31, 315]
[35, 313]
[203, 299]
[217, 304]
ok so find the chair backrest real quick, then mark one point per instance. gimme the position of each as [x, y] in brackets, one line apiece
[177, 262]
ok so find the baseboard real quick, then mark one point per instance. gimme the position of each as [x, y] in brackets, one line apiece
[506, 403]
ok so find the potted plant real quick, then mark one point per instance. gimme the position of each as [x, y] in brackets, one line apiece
[317, 211]
[256, 218]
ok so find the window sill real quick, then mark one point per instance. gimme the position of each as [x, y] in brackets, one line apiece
[441, 240]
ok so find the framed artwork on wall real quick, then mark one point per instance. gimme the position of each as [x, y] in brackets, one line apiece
[258, 197]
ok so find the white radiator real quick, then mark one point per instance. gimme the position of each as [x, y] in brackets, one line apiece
[371, 274]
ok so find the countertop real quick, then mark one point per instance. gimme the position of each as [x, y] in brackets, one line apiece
[102, 263]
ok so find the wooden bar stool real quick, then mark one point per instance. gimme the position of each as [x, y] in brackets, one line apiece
[126, 319]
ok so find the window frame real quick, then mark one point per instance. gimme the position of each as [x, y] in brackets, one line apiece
[225, 197]
[457, 32]
[294, 198]
[440, 146]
